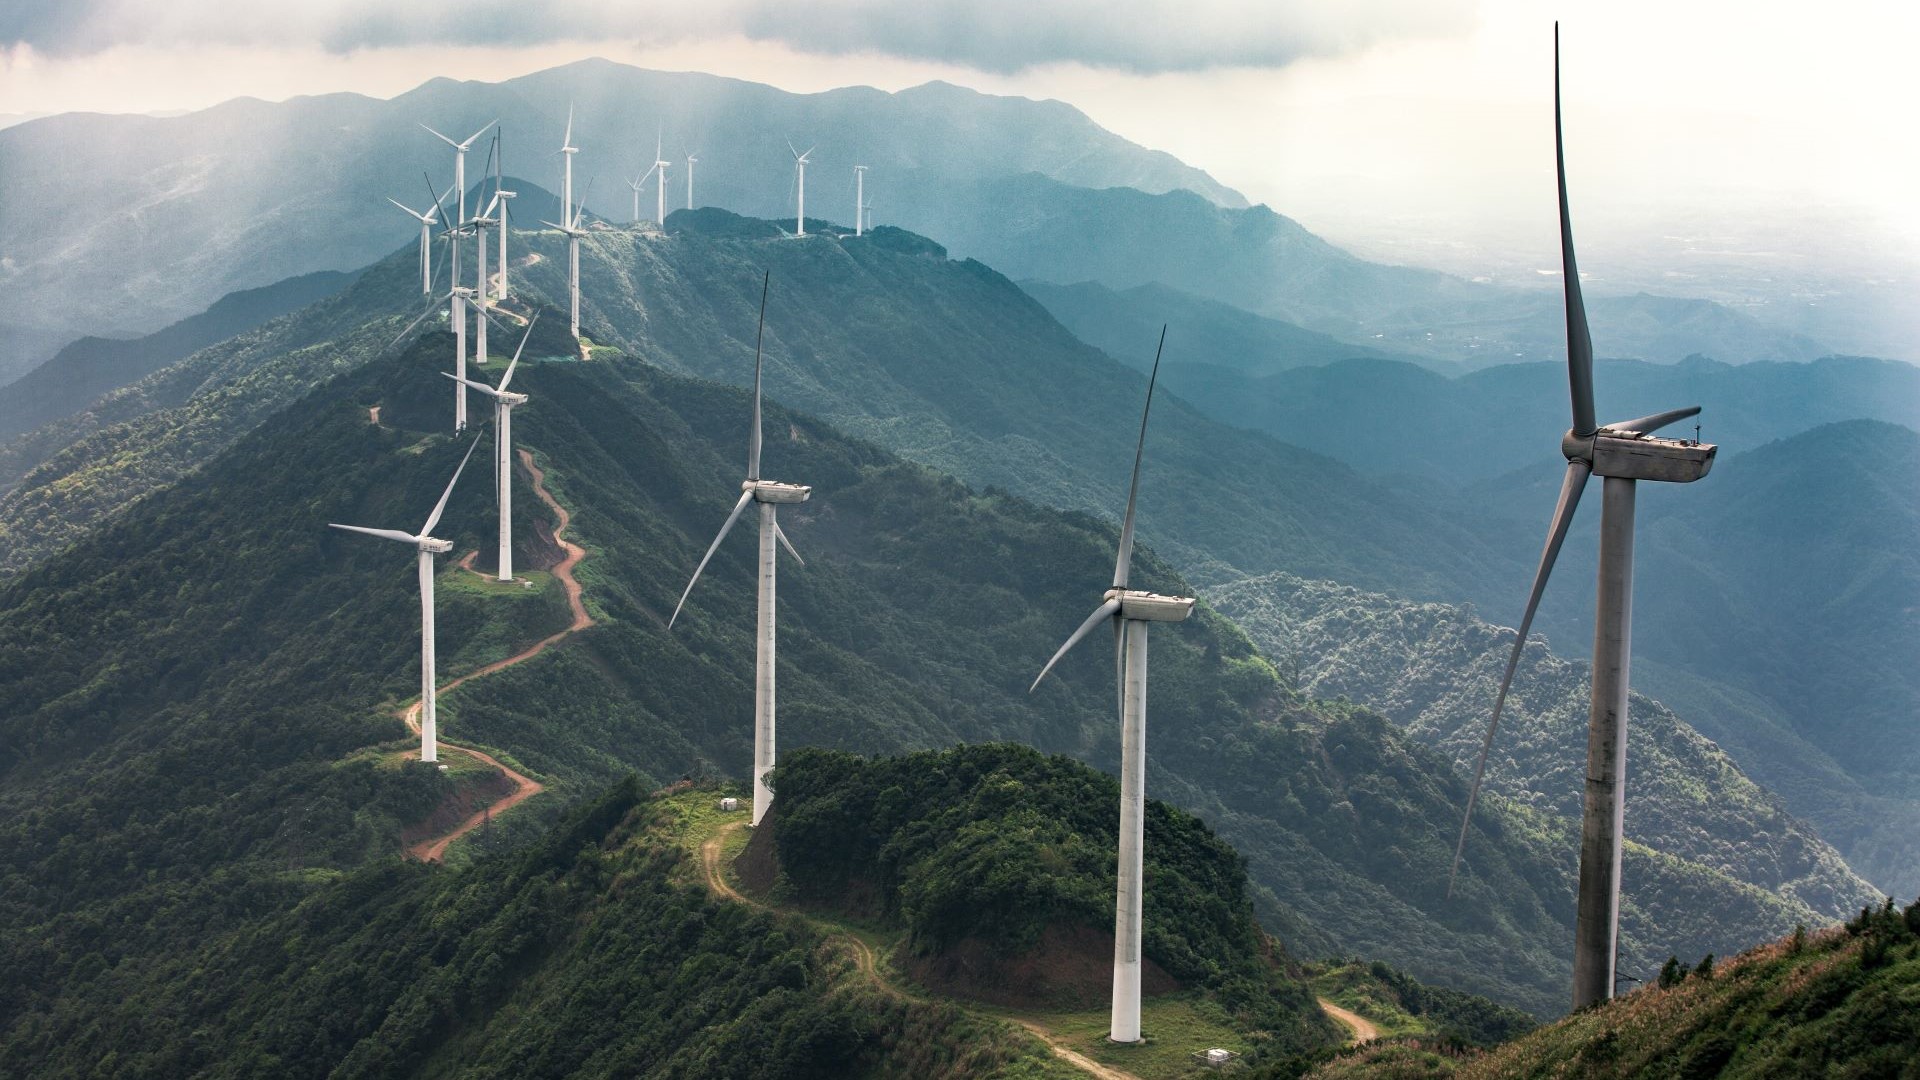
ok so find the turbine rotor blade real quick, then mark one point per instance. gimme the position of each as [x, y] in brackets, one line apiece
[384, 534]
[745, 498]
[781, 535]
[1105, 611]
[441, 506]
[1579, 342]
[511, 364]
[753, 440]
[1570, 489]
[480, 386]
[567, 139]
[1124, 562]
[442, 138]
[477, 134]
[1647, 425]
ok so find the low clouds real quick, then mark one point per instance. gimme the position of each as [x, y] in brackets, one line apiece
[1143, 36]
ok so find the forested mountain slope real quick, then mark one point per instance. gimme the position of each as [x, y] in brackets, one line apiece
[178, 712]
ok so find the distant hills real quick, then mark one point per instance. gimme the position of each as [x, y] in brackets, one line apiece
[132, 652]
[1034, 227]
[186, 209]
[94, 366]
[182, 210]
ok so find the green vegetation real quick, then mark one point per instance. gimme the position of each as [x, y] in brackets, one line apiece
[985, 849]
[1402, 1007]
[584, 954]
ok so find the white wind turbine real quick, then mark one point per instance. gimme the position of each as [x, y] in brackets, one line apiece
[800, 179]
[427, 546]
[769, 495]
[859, 198]
[691, 159]
[460, 165]
[427, 221]
[1622, 454]
[1131, 612]
[480, 223]
[572, 229]
[503, 403]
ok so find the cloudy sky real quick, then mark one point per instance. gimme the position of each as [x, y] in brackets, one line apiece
[1416, 128]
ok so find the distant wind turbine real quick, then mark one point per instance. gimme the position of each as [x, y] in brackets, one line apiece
[427, 221]
[859, 198]
[769, 495]
[501, 196]
[427, 546]
[460, 165]
[691, 159]
[1623, 453]
[800, 173]
[572, 229]
[503, 403]
[1131, 612]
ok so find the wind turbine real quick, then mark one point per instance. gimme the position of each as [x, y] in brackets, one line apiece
[769, 495]
[638, 184]
[859, 198]
[1131, 612]
[572, 229]
[460, 164]
[427, 222]
[691, 159]
[503, 403]
[1623, 453]
[800, 166]
[427, 546]
[480, 223]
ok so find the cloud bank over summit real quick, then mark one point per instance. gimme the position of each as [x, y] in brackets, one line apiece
[1150, 36]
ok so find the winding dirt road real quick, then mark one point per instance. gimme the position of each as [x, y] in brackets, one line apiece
[1363, 1029]
[869, 965]
[524, 787]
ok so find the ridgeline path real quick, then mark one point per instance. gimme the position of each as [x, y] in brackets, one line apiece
[868, 965]
[1363, 1029]
[524, 787]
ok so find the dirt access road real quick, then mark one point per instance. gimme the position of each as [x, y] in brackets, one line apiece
[868, 964]
[1363, 1029]
[524, 787]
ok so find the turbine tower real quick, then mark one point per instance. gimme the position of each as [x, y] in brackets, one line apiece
[1623, 454]
[1131, 613]
[503, 403]
[500, 197]
[460, 165]
[769, 495]
[566, 151]
[800, 173]
[691, 159]
[660, 186]
[572, 229]
[427, 546]
[859, 198]
[457, 300]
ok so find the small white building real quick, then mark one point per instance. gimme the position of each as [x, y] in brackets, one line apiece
[729, 804]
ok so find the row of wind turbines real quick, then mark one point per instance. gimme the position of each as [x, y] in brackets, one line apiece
[1622, 453]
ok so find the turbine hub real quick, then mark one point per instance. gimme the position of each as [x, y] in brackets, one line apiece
[1577, 447]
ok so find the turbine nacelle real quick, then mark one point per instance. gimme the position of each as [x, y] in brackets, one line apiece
[1621, 451]
[1151, 607]
[772, 491]
[433, 544]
